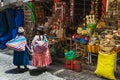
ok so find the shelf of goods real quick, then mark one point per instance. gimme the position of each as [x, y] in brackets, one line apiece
[81, 49]
[112, 14]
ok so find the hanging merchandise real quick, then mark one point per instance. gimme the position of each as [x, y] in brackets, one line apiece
[91, 22]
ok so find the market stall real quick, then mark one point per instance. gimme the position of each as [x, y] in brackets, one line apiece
[77, 30]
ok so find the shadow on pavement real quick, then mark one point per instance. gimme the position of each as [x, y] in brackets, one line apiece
[36, 72]
[15, 71]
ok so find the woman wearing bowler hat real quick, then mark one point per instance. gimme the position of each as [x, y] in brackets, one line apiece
[21, 58]
[40, 59]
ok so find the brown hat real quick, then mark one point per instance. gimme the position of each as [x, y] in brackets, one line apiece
[21, 30]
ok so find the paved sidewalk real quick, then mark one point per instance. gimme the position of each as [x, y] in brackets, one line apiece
[56, 71]
[9, 72]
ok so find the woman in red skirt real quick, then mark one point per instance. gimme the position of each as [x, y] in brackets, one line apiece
[40, 55]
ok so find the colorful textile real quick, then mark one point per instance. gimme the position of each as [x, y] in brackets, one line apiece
[41, 45]
[17, 43]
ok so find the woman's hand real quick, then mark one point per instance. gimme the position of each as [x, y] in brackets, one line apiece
[31, 52]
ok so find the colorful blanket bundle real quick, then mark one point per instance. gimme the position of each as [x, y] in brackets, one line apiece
[17, 43]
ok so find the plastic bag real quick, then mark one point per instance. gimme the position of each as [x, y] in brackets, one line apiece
[105, 65]
[71, 54]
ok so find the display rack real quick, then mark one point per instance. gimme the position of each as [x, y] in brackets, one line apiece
[81, 49]
[112, 14]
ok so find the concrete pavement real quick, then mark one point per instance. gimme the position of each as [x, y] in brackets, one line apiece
[9, 72]
[55, 71]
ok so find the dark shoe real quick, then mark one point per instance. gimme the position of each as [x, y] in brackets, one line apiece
[26, 68]
[18, 67]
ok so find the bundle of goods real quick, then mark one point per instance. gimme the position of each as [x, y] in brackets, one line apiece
[17, 43]
[82, 34]
[82, 31]
[81, 38]
[93, 45]
[106, 58]
[41, 45]
[107, 44]
[91, 22]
